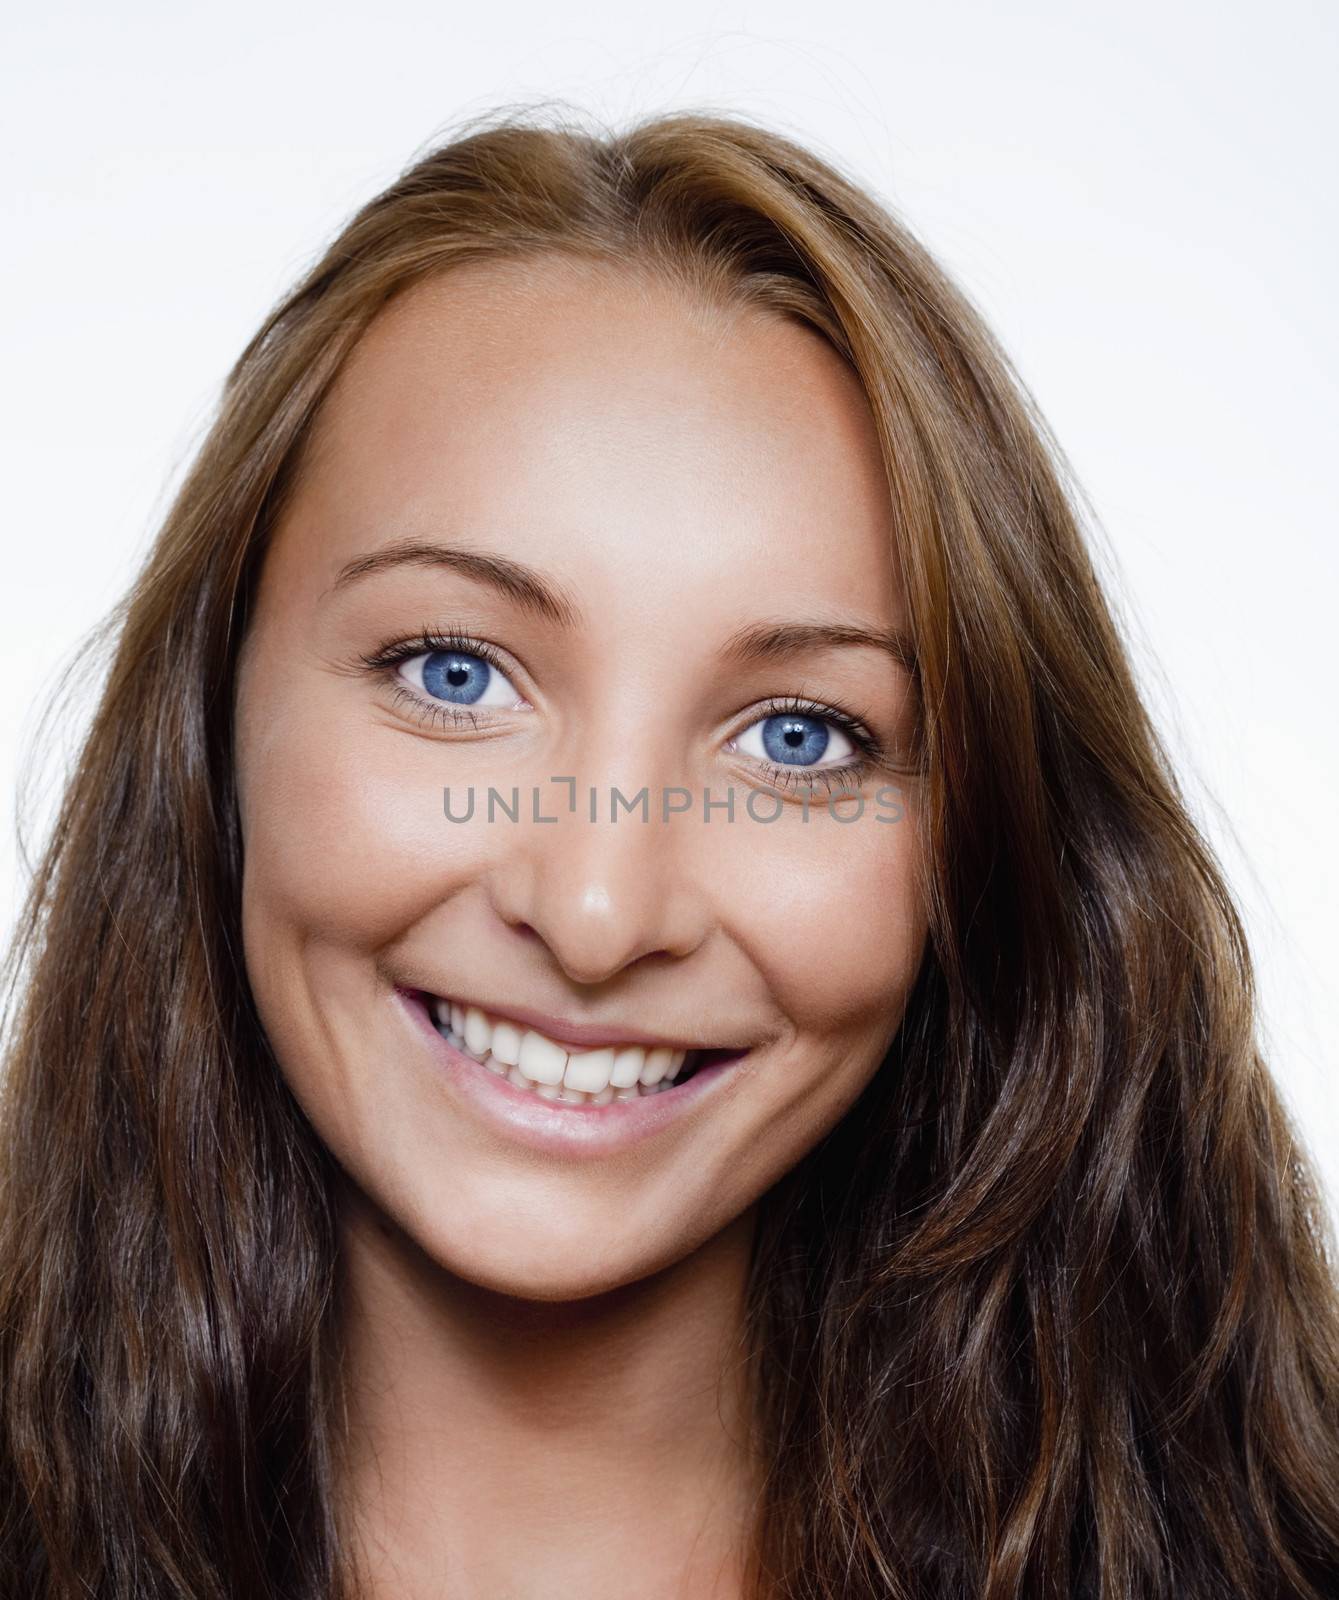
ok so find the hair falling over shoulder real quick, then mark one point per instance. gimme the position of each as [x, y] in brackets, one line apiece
[1052, 1310]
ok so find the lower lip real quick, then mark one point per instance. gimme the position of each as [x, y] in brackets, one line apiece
[554, 1129]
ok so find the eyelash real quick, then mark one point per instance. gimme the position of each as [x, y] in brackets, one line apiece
[869, 752]
[390, 655]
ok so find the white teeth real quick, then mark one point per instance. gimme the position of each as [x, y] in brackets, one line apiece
[533, 1061]
[589, 1071]
[506, 1043]
[657, 1065]
[477, 1031]
[541, 1061]
[628, 1064]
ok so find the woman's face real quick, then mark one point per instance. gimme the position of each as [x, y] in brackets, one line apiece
[615, 502]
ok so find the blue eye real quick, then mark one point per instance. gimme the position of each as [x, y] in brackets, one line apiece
[446, 675]
[795, 739]
[458, 678]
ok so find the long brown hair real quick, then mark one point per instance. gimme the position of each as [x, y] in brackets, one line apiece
[1051, 1311]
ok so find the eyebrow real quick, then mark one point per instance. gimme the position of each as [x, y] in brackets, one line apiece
[774, 641]
[519, 583]
[759, 641]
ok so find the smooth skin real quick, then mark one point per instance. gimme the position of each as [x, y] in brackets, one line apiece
[544, 1354]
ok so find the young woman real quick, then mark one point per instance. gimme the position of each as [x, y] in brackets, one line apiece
[623, 1000]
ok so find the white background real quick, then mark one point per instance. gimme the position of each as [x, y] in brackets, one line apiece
[1139, 196]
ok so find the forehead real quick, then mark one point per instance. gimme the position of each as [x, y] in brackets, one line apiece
[607, 425]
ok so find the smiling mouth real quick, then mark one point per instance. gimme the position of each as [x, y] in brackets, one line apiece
[530, 1060]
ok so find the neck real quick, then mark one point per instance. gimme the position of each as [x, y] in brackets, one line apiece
[496, 1445]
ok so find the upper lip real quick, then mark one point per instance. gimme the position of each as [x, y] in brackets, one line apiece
[581, 1035]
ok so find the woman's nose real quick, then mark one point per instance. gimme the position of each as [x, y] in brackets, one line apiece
[603, 893]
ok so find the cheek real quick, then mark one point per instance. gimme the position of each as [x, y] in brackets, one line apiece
[345, 840]
[834, 916]
[344, 847]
